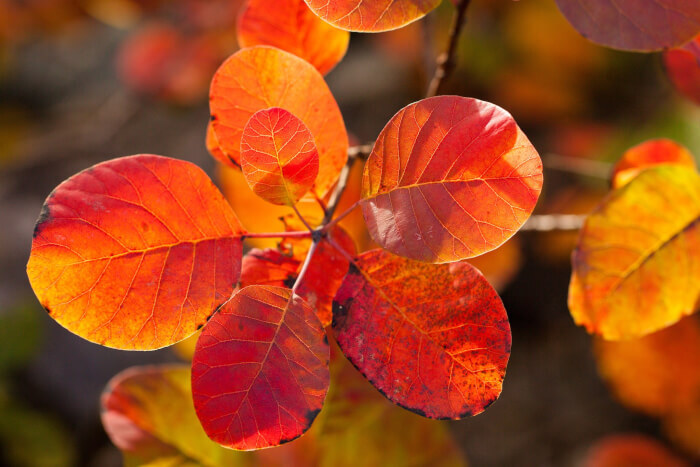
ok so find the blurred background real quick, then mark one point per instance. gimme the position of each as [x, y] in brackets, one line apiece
[83, 81]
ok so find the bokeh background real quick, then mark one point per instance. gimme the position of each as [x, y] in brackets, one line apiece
[83, 81]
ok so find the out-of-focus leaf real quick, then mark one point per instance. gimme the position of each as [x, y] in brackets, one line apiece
[278, 156]
[633, 268]
[631, 450]
[683, 429]
[434, 339]
[683, 68]
[260, 369]
[641, 25]
[449, 178]
[292, 26]
[262, 77]
[371, 15]
[648, 154]
[136, 252]
[148, 414]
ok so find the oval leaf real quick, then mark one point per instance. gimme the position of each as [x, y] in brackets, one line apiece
[641, 25]
[268, 267]
[292, 26]
[259, 78]
[278, 156]
[136, 252]
[683, 68]
[449, 178]
[371, 15]
[212, 145]
[148, 414]
[434, 339]
[648, 154]
[260, 369]
[633, 268]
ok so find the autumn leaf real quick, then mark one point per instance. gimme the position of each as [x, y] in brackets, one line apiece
[434, 339]
[212, 145]
[136, 252]
[261, 77]
[278, 156]
[631, 450]
[292, 26]
[633, 267]
[643, 25]
[260, 369]
[371, 15]
[449, 178]
[683, 68]
[648, 154]
[268, 267]
[683, 429]
[148, 414]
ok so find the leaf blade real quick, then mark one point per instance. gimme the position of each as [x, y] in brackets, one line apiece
[371, 15]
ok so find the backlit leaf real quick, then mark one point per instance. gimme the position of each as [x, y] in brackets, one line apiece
[260, 369]
[641, 25]
[148, 414]
[259, 78]
[290, 25]
[268, 267]
[278, 156]
[449, 178]
[634, 269]
[434, 339]
[213, 147]
[631, 450]
[371, 15]
[136, 252]
[647, 154]
[683, 68]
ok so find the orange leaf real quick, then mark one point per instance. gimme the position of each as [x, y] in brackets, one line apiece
[631, 450]
[683, 68]
[449, 178]
[268, 267]
[263, 77]
[648, 154]
[260, 369]
[278, 156]
[371, 15]
[136, 252]
[434, 339]
[213, 147]
[633, 272]
[292, 26]
[642, 25]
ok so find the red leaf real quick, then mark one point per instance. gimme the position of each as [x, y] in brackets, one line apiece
[648, 154]
[371, 15]
[449, 178]
[263, 77]
[290, 25]
[136, 252]
[260, 369]
[683, 68]
[641, 25]
[268, 267]
[434, 339]
[278, 156]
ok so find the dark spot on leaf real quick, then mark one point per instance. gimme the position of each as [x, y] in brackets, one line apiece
[325, 339]
[290, 280]
[340, 313]
[311, 415]
[212, 118]
[200, 326]
[44, 217]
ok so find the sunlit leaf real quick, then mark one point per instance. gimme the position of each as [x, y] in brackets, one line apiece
[148, 414]
[631, 450]
[268, 267]
[292, 26]
[449, 178]
[648, 154]
[634, 269]
[278, 156]
[213, 147]
[683, 68]
[371, 15]
[260, 369]
[641, 25]
[136, 252]
[434, 339]
[260, 77]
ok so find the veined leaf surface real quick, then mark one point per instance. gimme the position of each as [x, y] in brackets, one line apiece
[371, 15]
[449, 178]
[135, 253]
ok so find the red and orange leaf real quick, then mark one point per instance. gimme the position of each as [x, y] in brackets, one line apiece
[371, 15]
[292, 26]
[449, 178]
[640, 25]
[261, 77]
[683, 68]
[268, 267]
[656, 374]
[278, 156]
[260, 369]
[136, 252]
[631, 450]
[434, 339]
[648, 154]
[633, 268]
[148, 414]
[213, 147]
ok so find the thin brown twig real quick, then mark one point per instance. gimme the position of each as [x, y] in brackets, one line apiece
[305, 266]
[339, 188]
[447, 61]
